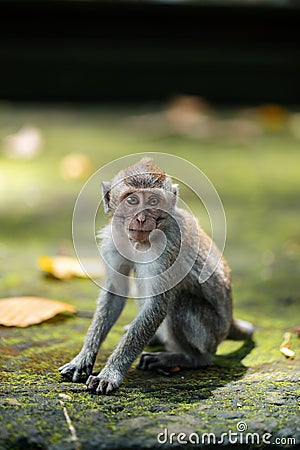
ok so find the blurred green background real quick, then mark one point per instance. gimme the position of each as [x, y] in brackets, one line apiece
[250, 155]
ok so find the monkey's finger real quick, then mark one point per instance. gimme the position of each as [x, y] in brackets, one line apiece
[110, 388]
[102, 387]
[148, 354]
[66, 371]
[105, 387]
[139, 365]
[92, 383]
[143, 365]
[142, 360]
[76, 375]
[65, 368]
[145, 361]
[89, 369]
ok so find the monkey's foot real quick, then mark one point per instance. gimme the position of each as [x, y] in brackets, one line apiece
[103, 384]
[163, 362]
[75, 369]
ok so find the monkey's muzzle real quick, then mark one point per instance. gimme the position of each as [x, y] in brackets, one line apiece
[140, 226]
[139, 235]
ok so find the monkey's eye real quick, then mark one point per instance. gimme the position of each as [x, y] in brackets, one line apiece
[153, 201]
[132, 200]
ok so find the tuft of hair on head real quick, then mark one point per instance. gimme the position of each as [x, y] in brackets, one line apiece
[145, 174]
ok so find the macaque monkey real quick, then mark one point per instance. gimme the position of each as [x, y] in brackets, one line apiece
[181, 280]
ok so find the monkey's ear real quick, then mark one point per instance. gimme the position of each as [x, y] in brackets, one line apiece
[175, 192]
[106, 186]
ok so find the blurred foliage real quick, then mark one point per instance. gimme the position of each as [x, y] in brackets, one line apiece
[253, 159]
[251, 156]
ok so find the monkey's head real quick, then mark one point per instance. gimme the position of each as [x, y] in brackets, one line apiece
[141, 198]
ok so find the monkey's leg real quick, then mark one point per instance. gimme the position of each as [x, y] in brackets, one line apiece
[155, 341]
[184, 339]
[138, 335]
[191, 335]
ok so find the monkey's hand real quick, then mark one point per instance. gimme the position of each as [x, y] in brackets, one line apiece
[106, 382]
[82, 364]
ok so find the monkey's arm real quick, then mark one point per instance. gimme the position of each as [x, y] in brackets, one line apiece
[136, 338]
[109, 307]
[108, 310]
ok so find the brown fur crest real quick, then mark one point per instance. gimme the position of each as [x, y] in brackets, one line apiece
[145, 174]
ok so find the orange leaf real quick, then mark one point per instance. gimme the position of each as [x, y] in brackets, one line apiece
[65, 267]
[25, 311]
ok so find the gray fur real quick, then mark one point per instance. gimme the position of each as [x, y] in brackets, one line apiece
[190, 319]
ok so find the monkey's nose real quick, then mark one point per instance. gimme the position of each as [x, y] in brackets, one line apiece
[141, 218]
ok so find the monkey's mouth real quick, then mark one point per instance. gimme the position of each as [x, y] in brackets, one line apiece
[139, 235]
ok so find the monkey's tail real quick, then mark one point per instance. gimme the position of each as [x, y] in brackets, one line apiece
[240, 330]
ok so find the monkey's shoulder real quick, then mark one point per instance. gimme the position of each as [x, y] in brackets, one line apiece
[193, 233]
[209, 254]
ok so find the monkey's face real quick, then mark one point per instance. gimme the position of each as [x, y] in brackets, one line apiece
[143, 210]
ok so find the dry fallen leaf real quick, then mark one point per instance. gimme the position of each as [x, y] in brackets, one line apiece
[285, 346]
[65, 267]
[287, 352]
[25, 311]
